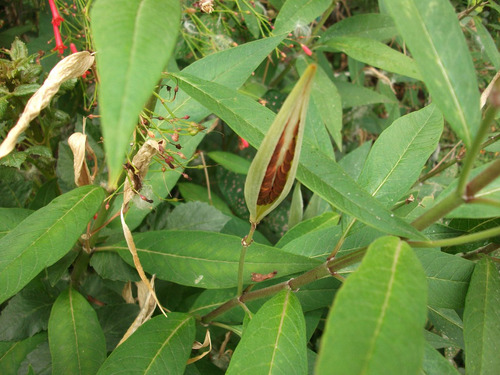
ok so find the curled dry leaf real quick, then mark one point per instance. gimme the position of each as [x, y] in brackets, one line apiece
[198, 345]
[79, 146]
[72, 66]
[137, 171]
[137, 263]
[258, 277]
[147, 304]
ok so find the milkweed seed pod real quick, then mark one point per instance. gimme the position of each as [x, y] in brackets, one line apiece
[273, 169]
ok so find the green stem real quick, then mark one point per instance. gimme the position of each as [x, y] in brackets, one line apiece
[463, 194]
[282, 75]
[458, 240]
[323, 19]
[328, 268]
[470, 158]
[245, 242]
[483, 250]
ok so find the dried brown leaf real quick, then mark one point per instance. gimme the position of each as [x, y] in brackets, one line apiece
[72, 66]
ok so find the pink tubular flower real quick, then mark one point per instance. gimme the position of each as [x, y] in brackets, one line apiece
[243, 144]
[72, 47]
[60, 47]
[306, 49]
[56, 17]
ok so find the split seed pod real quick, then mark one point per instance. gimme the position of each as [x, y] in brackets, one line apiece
[274, 167]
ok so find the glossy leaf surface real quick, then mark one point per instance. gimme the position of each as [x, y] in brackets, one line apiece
[45, 237]
[130, 69]
[77, 343]
[274, 342]
[160, 346]
[376, 323]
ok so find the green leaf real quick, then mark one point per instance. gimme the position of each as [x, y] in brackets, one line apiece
[482, 320]
[207, 259]
[443, 60]
[475, 210]
[230, 67]
[354, 161]
[325, 220]
[27, 89]
[45, 237]
[317, 171]
[296, 207]
[230, 161]
[134, 41]
[45, 194]
[448, 323]
[376, 54]
[14, 187]
[11, 217]
[111, 266]
[192, 192]
[327, 100]
[435, 364]
[354, 95]
[487, 43]
[447, 277]
[370, 25]
[274, 340]
[376, 323]
[196, 216]
[298, 13]
[12, 354]
[77, 343]
[160, 346]
[37, 361]
[115, 320]
[397, 157]
[27, 312]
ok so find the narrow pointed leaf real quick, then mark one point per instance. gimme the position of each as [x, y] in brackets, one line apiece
[448, 277]
[443, 60]
[376, 54]
[133, 40]
[326, 98]
[160, 346]
[436, 364]
[299, 13]
[11, 217]
[274, 342]
[207, 259]
[397, 157]
[376, 323]
[13, 353]
[370, 25]
[45, 237]
[77, 343]
[230, 161]
[482, 320]
[317, 171]
[230, 67]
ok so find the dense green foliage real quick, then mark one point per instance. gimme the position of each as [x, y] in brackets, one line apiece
[132, 251]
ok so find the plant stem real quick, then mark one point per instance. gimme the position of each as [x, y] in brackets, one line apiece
[80, 266]
[458, 240]
[323, 19]
[328, 268]
[465, 193]
[245, 242]
[471, 155]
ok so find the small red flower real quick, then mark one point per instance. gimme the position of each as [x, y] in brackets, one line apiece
[306, 49]
[243, 144]
[60, 47]
[56, 17]
[72, 47]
